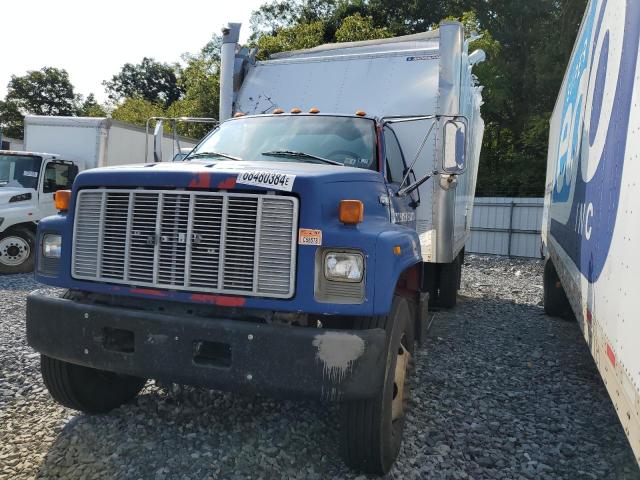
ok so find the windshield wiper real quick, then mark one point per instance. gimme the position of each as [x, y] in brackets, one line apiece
[213, 154]
[291, 153]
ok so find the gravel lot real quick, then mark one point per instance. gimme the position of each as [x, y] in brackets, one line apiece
[500, 391]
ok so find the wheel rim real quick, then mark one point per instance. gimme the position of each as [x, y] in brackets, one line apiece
[14, 251]
[402, 363]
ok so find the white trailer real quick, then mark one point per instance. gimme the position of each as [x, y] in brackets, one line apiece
[96, 142]
[591, 226]
[419, 85]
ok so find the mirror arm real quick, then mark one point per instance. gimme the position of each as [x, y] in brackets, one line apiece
[410, 188]
[424, 142]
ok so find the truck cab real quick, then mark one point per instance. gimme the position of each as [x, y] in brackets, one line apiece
[287, 254]
[28, 182]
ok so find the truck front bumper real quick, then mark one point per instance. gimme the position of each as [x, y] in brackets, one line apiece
[218, 353]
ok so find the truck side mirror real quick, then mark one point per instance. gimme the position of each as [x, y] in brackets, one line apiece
[455, 147]
[158, 134]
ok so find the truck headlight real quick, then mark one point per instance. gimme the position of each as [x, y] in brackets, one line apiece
[52, 245]
[343, 267]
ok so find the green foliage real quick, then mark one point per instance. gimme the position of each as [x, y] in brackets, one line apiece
[200, 81]
[11, 120]
[149, 80]
[137, 111]
[47, 91]
[91, 108]
[305, 35]
[356, 28]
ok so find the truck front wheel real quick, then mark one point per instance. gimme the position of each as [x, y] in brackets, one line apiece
[17, 251]
[373, 428]
[87, 389]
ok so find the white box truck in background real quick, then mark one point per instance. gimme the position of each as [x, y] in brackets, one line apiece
[96, 142]
[591, 226]
[28, 180]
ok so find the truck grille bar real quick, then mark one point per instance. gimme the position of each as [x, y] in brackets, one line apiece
[216, 242]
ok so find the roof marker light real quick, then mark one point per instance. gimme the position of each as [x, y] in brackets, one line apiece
[361, 113]
[239, 114]
[314, 110]
[278, 111]
[295, 110]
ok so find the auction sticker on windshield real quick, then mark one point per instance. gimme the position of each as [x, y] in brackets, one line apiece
[271, 180]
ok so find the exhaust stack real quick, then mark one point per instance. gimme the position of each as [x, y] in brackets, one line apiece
[230, 38]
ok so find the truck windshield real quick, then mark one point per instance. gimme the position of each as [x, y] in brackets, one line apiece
[19, 171]
[340, 140]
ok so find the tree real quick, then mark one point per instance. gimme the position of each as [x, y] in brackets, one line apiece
[47, 91]
[305, 35]
[356, 27]
[11, 120]
[200, 81]
[149, 80]
[91, 108]
[137, 111]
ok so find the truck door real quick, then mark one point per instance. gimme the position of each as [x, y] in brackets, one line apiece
[403, 209]
[58, 175]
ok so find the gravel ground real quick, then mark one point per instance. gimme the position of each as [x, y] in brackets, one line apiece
[500, 392]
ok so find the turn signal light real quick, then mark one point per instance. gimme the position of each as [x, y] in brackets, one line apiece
[62, 199]
[351, 212]
[295, 110]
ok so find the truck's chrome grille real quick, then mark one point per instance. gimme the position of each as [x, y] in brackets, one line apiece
[216, 242]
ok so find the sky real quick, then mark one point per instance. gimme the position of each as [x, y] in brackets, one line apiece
[91, 40]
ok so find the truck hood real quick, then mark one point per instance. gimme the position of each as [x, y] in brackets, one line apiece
[243, 175]
[6, 193]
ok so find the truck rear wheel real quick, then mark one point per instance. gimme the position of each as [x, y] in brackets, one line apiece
[555, 299]
[87, 389]
[17, 251]
[373, 428]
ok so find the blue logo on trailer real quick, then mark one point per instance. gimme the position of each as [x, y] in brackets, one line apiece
[586, 236]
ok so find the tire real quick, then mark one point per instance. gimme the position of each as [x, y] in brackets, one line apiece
[555, 299]
[87, 389]
[17, 251]
[449, 280]
[371, 436]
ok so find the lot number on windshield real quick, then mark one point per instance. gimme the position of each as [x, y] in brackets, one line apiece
[271, 180]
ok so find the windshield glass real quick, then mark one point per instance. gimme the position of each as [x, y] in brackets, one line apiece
[343, 140]
[19, 171]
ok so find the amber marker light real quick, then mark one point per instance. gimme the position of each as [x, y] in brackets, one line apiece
[62, 199]
[397, 250]
[295, 110]
[239, 114]
[351, 212]
[361, 113]
[278, 111]
[314, 110]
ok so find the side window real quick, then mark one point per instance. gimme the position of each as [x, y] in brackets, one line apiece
[58, 176]
[395, 163]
